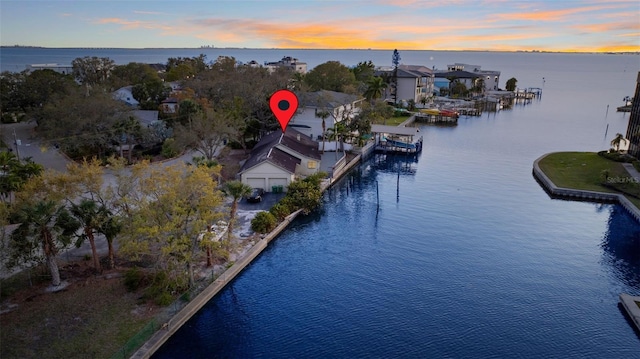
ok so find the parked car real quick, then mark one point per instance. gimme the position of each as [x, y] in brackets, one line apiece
[256, 195]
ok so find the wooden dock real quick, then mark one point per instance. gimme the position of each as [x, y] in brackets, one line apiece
[527, 95]
[436, 119]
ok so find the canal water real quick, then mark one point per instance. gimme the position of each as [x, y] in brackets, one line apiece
[455, 253]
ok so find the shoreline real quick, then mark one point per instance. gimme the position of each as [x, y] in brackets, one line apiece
[578, 194]
[179, 319]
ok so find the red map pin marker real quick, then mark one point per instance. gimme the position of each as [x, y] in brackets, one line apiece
[283, 104]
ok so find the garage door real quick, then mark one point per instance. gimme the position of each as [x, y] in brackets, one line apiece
[256, 182]
[277, 182]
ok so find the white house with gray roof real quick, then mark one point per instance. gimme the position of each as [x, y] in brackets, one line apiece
[415, 82]
[491, 78]
[337, 107]
[279, 158]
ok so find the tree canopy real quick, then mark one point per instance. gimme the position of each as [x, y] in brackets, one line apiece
[511, 84]
[332, 76]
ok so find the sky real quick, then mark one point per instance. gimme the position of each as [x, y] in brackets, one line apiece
[496, 25]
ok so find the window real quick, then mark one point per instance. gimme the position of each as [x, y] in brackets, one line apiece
[312, 164]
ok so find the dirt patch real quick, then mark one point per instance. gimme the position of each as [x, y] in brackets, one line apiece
[231, 161]
[93, 317]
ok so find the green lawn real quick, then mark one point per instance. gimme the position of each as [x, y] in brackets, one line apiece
[583, 170]
[393, 121]
[580, 170]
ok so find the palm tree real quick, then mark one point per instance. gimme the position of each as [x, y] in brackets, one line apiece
[339, 133]
[236, 190]
[128, 130]
[92, 216]
[478, 85]
[375, 88]
[617, 141]
[110, 228]
[424, 100]
[323, 115]
[15, 173]
[46, 227]
[297, 81]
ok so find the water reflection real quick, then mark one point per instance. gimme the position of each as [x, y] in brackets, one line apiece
[405, 164]
[621, 245]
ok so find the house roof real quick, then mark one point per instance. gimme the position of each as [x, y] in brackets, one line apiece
[408, 71]
[458, 74]
[300, 143]
[325, 98]
[414, 71]
[283, 159]
[170, 100]
[270, 148]
[145, 117]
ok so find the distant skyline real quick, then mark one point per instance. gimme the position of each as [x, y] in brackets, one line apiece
[496, 25]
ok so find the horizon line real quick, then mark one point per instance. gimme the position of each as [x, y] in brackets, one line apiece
[303, 48]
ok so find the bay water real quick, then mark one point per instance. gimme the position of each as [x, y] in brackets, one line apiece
[455, 253]
[466, 255]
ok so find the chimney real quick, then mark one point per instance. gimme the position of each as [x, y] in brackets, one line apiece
[298, 137]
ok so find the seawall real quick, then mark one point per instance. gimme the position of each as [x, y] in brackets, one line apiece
[629, 304]
[178, 320]
[578, 194]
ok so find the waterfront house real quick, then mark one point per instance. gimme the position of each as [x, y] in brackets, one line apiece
[465, 77]
[279, 158]
[491, 78]
[287, 62]
[63, 69]
[415, 82]
[312, 106]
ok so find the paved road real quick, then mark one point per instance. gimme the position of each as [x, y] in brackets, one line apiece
[28, 146]
[48, 156]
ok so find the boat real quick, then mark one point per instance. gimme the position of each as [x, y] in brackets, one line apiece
[430, 111]
[409, 146]
[449, 113]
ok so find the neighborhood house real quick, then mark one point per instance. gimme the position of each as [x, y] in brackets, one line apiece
[279, 158]
[313, 106]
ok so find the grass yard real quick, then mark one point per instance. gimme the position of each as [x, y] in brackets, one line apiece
[580, 170]
[393, 121]
[92, 318]
[583, 170]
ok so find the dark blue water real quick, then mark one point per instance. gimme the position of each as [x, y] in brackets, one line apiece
[466, 257]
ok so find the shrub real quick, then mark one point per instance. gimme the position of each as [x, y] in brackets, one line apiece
[263, 222]
[304, 195]
[280, 210]
[134, 278]
[315, 179]
[163, 298]
[636, 165]
[616, 156]
[169, 148]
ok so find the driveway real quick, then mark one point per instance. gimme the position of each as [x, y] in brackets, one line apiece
[268, 200]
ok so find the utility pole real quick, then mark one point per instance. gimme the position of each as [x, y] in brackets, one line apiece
[15, 142]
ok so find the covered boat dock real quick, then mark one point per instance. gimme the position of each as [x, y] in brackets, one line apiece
[397, 139]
